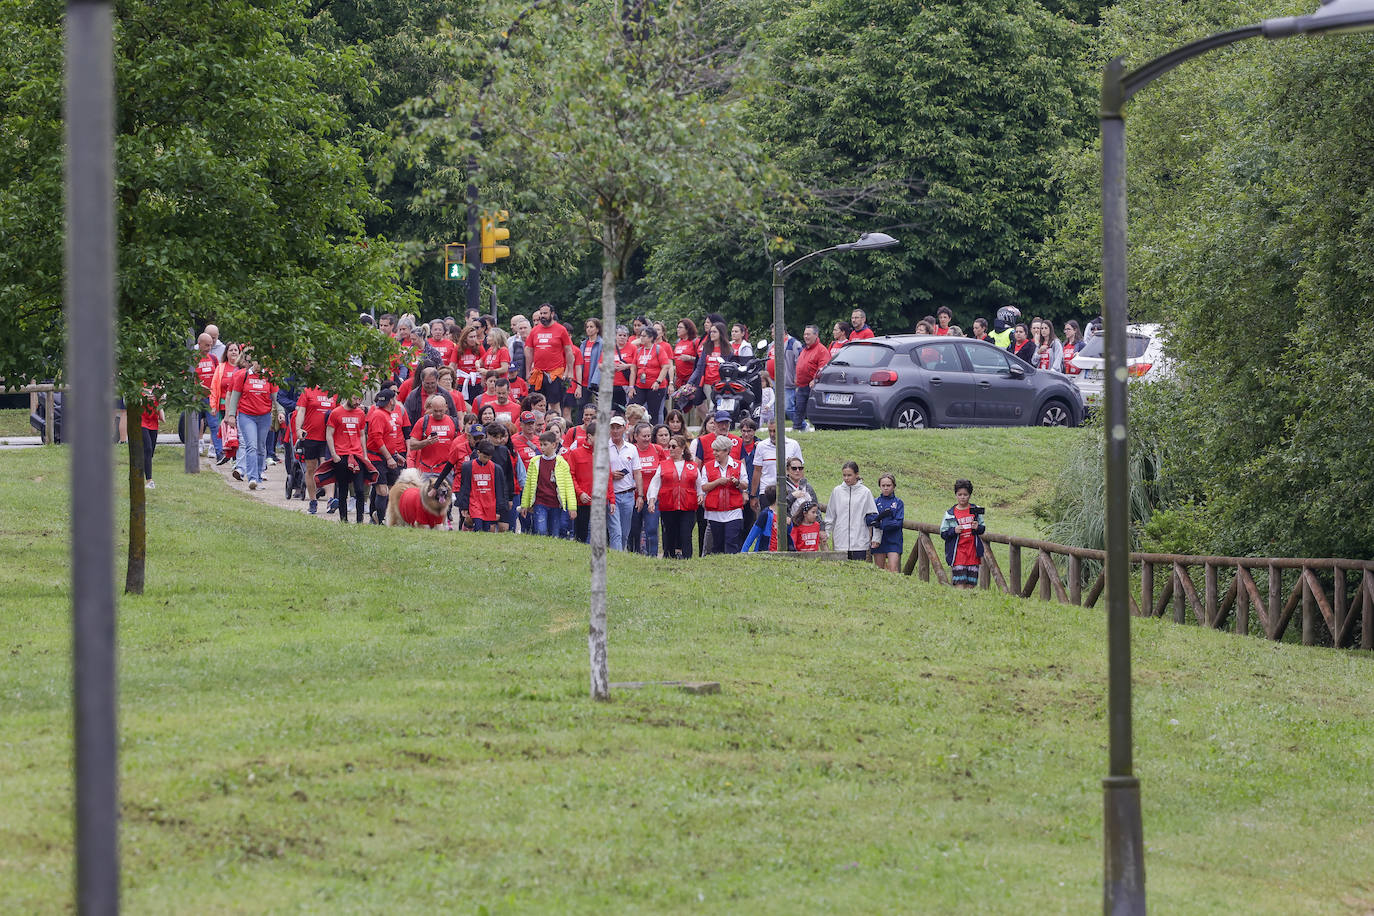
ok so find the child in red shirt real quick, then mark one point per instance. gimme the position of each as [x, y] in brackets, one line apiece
[806, 526]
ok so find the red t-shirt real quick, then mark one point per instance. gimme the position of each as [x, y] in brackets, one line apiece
[470, 360]
[628, 354]
[505, 413]
[378, 431]
[942, 332]
[685, 359]
[711, 374]
[650, 457]
[255, 393]
[649, 362]
[482, 490]
[400, 422]
[545, 346]
[863, 333]
[413, 511]
[966, 553]
[447, 347]
[806, 537]
[205, 370]
[349, 427]
[495, 359]
[432, 457]
[1069, 367]
[525, 449]
[317, 404]
[150, 419]
[835, 346]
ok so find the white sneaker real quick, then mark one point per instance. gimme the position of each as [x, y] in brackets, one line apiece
[253, 485]
[150, 486]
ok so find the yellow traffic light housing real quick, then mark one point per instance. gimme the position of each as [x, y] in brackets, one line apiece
[455, 261]
[493, 232]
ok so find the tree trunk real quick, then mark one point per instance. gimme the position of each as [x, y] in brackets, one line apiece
[138, 509]
[601, 466]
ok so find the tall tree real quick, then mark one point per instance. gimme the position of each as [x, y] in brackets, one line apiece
[240, 200]
[627, 119]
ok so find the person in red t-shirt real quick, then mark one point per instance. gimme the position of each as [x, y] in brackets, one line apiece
[962, 529]
[645, 520]
[943, 317]
[431, 438]
[251, 397]
[858, 322]
[806, 526]
[468, 365]
[439, 341]
[506, 410]
[312, 410]
[579, 457]
[208, 417]
[344, 435]
[839, 336]
[550, 353]
[482, 491]
[152, 418]
[385, 449]
[810, 362]
[685, 355]
[653, 365]
[497, 354]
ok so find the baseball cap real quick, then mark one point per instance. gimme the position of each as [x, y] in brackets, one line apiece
[527, 417]
[722, 415]
[617, 421]
[476, 430]
[384, 396]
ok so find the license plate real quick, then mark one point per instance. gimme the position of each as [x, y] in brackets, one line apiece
[839, 398]
[727, 404]
[1092, 375]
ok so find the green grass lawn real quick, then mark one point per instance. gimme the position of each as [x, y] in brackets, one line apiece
[15, 422]
[326, 719]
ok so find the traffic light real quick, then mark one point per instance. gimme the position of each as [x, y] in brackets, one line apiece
[455, 261]
[493, 232]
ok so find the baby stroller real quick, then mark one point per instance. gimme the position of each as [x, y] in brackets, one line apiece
[295, 465]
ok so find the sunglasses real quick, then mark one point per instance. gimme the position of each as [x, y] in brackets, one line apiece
[795, 467]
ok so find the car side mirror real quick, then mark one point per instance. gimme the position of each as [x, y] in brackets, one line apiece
[1016, 371]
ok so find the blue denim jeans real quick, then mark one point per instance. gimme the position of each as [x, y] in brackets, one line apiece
[546, 520]
[253, 430]
[619, 520]
[211, 419]
[648, 530]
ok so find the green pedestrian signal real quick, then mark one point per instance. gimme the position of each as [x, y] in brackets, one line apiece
[455, 261]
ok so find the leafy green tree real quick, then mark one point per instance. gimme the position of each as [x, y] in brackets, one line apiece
[1251, 238]
[240, 201]
[627, 119]
[938, 122]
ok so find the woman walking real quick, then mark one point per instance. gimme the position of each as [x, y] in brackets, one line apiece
[850, 505]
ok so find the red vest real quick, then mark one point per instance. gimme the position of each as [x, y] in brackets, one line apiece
[727, 497]
[482, 490]
[677, 494]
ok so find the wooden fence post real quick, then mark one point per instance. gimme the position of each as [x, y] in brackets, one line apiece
[1242, 606]
[1367, 611]
[1209, 599]
[1338, 604]
[922, 562]
[1075, 580]
[1180, 607]
[1309, 614]
[1275, 609]
[1147, 586]
[1014, 568]
[1042, 557]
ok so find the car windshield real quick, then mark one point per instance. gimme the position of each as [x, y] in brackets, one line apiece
[1135, 346]
[862, 355]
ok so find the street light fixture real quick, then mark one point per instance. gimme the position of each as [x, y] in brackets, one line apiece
[869, 241]
[1124, 847]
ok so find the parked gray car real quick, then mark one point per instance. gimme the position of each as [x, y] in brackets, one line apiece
[912, 381]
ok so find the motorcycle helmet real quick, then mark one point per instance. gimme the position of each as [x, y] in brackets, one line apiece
[1008, 314]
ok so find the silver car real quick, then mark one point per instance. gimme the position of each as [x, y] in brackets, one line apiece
[1145, 360]
[912, 381]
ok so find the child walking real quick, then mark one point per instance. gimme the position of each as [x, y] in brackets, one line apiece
[887, 522]
[961, 529]
[806, 526]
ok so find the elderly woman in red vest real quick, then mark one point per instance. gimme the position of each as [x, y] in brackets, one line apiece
[673, 493]
[721, 486]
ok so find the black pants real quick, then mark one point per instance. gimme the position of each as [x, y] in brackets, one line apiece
[726, 537]
[803, 397]
[149, 446]
[652, 399]
[344, 479]
[701, 531]
[552, 389]
[582, 525]
[677, 532]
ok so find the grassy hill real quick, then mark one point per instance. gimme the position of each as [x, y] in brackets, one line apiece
[351, 719]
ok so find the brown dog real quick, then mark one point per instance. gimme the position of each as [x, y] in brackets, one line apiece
[416, 503]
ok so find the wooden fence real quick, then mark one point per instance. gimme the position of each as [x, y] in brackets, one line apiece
[47, 391]
[1332, 593]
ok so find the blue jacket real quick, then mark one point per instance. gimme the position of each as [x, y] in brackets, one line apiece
[949, 530]
[889, 516]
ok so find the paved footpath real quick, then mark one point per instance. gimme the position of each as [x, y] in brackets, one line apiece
[272, 491]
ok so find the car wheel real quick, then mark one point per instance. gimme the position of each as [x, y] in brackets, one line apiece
[1055, 413]
[909, 415]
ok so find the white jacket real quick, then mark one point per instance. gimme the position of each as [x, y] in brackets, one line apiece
[844, 517]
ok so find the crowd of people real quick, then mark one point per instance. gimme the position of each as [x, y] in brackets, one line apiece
[488, 430]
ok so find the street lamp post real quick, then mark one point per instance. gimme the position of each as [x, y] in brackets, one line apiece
[1124, 848]
[869, 241]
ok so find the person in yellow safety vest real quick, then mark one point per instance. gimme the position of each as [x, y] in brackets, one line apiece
[1007, 317]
